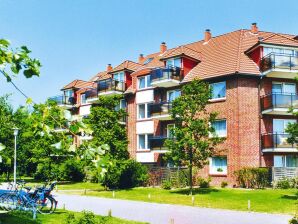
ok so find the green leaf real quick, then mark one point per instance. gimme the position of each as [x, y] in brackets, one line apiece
[4, 42]
[29, 101]
[25, 49]
[2, 147]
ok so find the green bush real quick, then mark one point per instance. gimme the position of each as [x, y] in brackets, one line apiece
[203, 183]
[167, 185]
[224, 184]
[293, 220]
[71, 170]
[44, 172]
[85, 218]
[252, 177]
[284, 183]
[126, 174]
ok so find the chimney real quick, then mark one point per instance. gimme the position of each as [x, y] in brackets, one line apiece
[163, 47]
[141, 58]
[207, 35]
[109, 67]
[254, 28]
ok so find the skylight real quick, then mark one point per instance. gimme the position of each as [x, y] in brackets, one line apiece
[148, 60]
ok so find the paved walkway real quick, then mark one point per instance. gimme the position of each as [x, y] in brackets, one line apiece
[162, 213]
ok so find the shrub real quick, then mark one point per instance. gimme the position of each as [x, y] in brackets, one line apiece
[284, 183]
[71, 170]
[125, 174]
[44, 172]
[252, 177]
[166, 184]
[203, 183]
[85, 218]
[293, 220]
[224, 184]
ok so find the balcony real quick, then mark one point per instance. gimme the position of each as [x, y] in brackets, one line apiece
[166, 77]
[157, 142]
[279, 103]
[160, 111]
[64, 101]
[277, 143]
[279, 65]
[110, 87]
[284, 172]
[91, 96]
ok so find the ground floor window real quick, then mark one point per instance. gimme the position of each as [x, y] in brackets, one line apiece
[218, 165]
[285, 161]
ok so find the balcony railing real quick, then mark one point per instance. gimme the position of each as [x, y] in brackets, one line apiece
[279, 100]
[160, 74]
[91, 95]
[284, 172]
[279, 61]
[157, 142]
[159, 109]
[277, 140]
[110, 85]
[63, 100]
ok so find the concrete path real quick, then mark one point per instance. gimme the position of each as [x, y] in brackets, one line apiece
[163, 213]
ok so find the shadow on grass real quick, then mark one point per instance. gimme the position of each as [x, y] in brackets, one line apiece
[290, 197]
[195, 191]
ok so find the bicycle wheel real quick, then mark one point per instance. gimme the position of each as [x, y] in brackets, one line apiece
[46, 206]
[11, 202]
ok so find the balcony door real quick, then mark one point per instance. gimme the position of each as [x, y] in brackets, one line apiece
[283, 94]
[173, 94]
[280, 135]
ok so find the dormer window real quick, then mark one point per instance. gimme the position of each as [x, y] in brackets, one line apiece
[119, 76]
[148, 61]
[173, 62]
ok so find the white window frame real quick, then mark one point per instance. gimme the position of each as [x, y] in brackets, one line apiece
[146, 111]
[146, 82]
[146, 142]
[283, 86]
[220, 136]
[168, 129]
[284, 124]
[83, 94]
[118, 74]
[170, 91]
[172, 60]
[219, 98]
[215, 172]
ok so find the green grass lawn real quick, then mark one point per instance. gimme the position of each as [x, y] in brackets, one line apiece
[268, 200]
[57, 217]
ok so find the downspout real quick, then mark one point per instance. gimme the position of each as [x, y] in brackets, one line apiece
[260, 117]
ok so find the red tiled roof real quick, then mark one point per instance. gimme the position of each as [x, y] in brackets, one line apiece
[280, 39]
[225, 55]
[182, 51]
[100, 76]
[78, 84]
[126, 65]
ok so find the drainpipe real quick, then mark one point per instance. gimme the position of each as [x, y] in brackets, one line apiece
[260, 117]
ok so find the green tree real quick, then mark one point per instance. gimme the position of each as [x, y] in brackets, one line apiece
[104, 121]
[6, 136]
[12, 61]
[192, 145]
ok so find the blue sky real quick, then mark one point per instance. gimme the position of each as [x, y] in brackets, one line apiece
[74, 39]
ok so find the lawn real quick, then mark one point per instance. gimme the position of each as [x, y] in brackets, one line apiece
[268, 200]
[57, 217]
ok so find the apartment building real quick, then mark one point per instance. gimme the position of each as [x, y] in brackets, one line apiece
[252, 75]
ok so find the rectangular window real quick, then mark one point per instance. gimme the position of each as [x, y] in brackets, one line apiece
[174, 62]
[144, 82]
[144, 141]
[220, 128]
[285, 161]
[284, 88]
[173, 94]
[141, 111]
[218, 90]
[119, 76]
[170, 133]
[68, 93]
[121, 105]
[83, 99]
[218, 165]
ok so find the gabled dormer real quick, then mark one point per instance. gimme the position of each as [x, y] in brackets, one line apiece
[119, 80]
[276, 55]
[177, 64]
